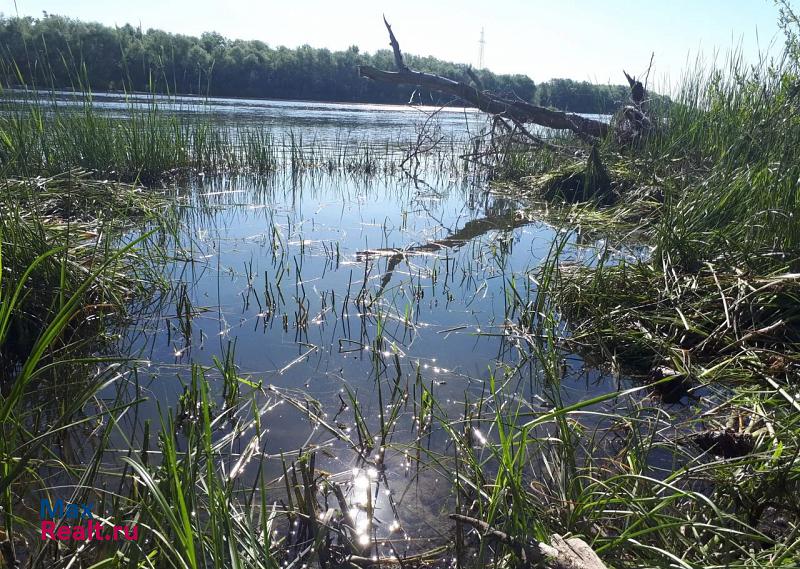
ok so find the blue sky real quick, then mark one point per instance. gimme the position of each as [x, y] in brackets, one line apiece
[579, 39]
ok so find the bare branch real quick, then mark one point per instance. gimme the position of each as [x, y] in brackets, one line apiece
[474, 77]
[398, 56]
[649, 67]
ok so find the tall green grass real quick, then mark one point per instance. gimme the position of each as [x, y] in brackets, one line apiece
[41, 136]
[727, 154]
[706, 315]
[57, 279]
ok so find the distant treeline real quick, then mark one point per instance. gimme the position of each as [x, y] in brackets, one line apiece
[58, 52]
[582, 96]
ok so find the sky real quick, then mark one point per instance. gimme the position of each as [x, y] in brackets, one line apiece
[577, 39]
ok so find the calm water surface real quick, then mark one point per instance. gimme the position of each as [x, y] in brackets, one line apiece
[297, 276]
[319, 122]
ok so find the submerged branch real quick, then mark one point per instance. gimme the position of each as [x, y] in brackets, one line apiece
[570, 553]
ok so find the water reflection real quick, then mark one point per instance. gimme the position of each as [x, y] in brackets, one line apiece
[359, 294]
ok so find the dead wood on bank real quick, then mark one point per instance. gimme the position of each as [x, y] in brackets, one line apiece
[560, 553]
[517, 111]
[587, 179]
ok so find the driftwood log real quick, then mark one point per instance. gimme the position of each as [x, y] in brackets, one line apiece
[560, 553]
[517, 111]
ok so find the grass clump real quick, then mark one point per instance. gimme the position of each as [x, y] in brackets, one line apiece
[703, 313]
[615, 471]
[712, 193]
[157, 140]
[581, 182]
[720, 278]
[72, 266]
[40, 136]
[60, 236]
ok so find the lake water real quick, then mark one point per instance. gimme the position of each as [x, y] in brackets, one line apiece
[329, 288]
[314, 121]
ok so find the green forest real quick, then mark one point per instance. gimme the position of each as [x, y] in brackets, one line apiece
[52, 51]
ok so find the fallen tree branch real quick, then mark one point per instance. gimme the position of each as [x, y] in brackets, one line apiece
[398, 56]
[517, 111]
[475, 79]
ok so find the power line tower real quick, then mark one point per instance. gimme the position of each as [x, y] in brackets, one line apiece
[482, 43]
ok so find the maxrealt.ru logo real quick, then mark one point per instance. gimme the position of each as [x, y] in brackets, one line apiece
[78, 524]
